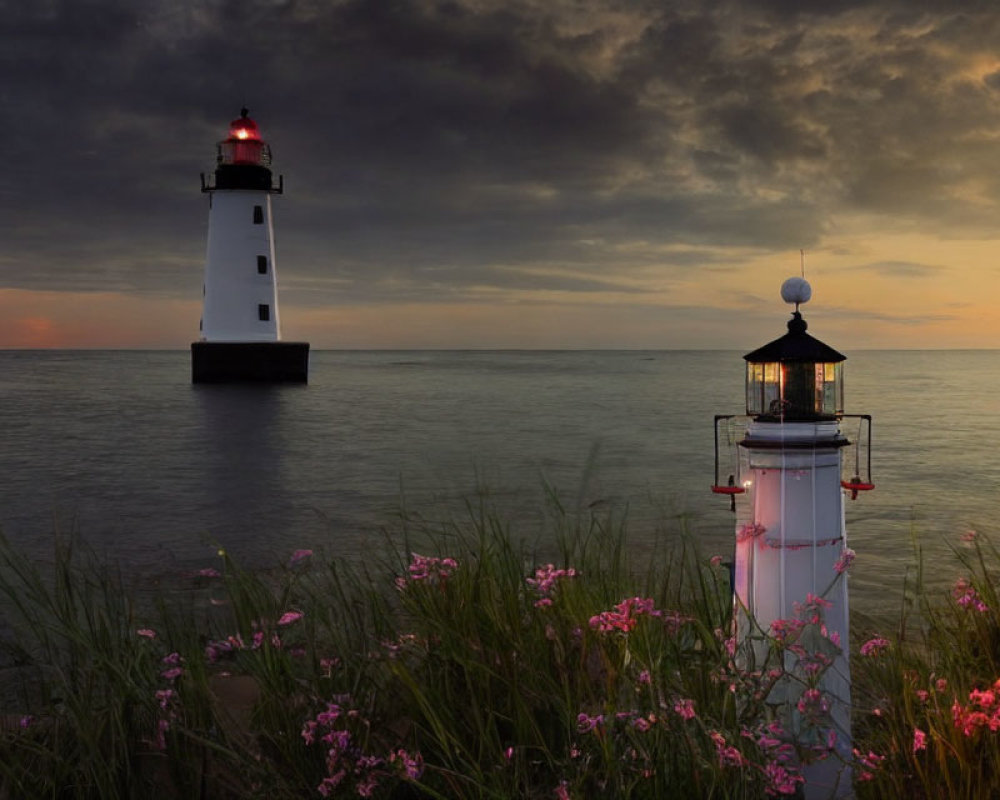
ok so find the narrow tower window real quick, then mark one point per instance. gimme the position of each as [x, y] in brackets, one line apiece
[262, 265]
[258, 215]
[264, 312]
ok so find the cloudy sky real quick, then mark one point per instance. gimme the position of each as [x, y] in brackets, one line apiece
[510, 173]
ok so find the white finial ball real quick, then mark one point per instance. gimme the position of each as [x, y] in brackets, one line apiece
[796, 290]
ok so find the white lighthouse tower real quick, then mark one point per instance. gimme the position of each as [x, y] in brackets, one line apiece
[789, 580]
[240, 324]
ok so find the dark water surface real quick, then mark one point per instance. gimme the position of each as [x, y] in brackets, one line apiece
[156, 471]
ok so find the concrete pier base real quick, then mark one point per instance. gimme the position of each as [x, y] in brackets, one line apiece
[263, 362]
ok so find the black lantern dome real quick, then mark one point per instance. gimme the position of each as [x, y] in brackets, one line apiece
[796, 377]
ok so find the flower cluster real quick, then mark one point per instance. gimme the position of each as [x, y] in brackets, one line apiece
[811, 611]
[289, 617]
[412, 766]
[585, 723]
[684, 708]
[781, 779]
[982, 711]
[217, 649]
[427, 569]
[813, 706]
[869, 763]
[625, 616]
[843, 563]
[167, 699]
[173, 667]
[965, 595]
[346, 761]
[545, 581]
[729, 756]
[874, 647]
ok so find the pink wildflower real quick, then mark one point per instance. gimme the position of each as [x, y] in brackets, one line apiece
[329, 784]
[684, 708]
[164, 696]
[982, 698]
[208, 572]
[562, 791]
[728, 755]
[817, 601]
[875, 647]
[967, 597]
[586, 723]
[172, 674]
[625, 616]
[329, 716]
[969, 536]
[26, 720]
[427, 568]
[870, 762]
[785, 630]
[644, 677]
[172, 660]
[146, 633]
[847, 557]
[919, 740]
[814, 663]
[715, 560]
[289, 617]
[813, 705]
[367, 787]
[545, 581]
[298, 555]
[781, 780]
[413, 766]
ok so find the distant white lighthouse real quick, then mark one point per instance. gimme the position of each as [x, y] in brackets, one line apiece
[789, 578]
[240, 324]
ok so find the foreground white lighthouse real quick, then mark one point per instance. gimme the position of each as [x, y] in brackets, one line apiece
[240, 324]
[789, 580]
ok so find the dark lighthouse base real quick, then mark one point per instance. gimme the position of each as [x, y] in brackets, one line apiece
[263, 362]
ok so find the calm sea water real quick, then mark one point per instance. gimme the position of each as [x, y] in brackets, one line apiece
[157, 472]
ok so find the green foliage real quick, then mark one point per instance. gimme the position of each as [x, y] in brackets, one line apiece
[930, 702]
[465, 664]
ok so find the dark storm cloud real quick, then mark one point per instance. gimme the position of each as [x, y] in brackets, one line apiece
[516, 145]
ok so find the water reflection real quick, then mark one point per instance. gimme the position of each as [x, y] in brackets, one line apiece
[238, 452]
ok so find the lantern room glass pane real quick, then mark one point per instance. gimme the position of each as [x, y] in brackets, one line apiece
[795, 390]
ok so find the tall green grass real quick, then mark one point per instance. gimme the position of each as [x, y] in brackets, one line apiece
[463, 663]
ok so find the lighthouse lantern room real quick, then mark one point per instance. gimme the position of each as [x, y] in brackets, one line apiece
[240, 325]
[791, 550]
